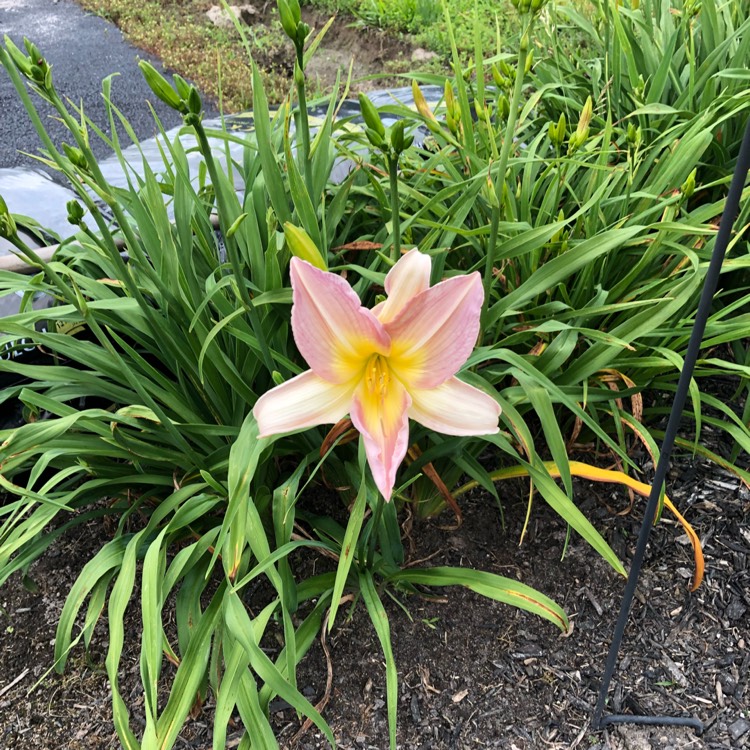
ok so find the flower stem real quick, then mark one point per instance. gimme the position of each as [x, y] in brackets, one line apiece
[395, 217]
[502, 165]
[232, 253]
[304, 129]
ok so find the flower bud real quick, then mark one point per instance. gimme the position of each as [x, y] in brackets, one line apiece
[375, 138]
[182, 86]
[582, 130]
[301, 246]
[503, 106]
[33, 51]
[75, 212]
[302, 31]
[397, 136]
[500, 80]
[160, 86]
[421, 103]
[688, 187]
[450, 99]
[635, 135]
[76, 156]
[452, 109]
[489, 192]
[19, 59]
[37, 74]
[8, 227]
[557, 131]
[194, 101]
[289, 12]
[371, 115]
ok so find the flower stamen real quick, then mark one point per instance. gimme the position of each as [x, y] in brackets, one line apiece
[377, 376]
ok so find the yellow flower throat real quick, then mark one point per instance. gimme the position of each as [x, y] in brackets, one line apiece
[377, 376]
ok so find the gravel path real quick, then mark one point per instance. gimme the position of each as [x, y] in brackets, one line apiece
[82, 49]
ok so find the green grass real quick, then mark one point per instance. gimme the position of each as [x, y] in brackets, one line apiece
[213, 58]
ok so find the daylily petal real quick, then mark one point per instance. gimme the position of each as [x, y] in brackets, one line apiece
[455, 408]
[384, 425]
[409, 277]
[333, 332]
[304, 401]
[434, 335]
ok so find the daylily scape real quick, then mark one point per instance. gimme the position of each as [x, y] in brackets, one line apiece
[382, 366]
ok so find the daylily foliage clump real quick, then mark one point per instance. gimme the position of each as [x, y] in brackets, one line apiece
[572, 222]
[385, 365]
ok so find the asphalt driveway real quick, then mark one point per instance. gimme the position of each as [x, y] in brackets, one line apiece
[82, 49]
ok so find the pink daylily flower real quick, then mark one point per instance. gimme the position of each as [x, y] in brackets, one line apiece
[385, 365]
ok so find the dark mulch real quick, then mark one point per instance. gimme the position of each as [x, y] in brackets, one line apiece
[472, 673]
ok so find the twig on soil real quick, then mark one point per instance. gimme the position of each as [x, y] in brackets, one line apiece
[18, 679]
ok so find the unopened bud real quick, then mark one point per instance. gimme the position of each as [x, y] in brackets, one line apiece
[688, 187]
[529, 61]
[19, 59]
[582, 130]
[289, 12]
[500, 80]
[421, 103]
[75, 212]
[8, 227]
[302, 31]
[37, 74]
[76, 156]
[489, 192]
[301, 246]
[160, 86]
[635, 135]
[557, 131]
[182, 86]
[375, 138]
[397, 136]
[371, 115]
[194, 101]
[503, 106]
[452, 109]
[35, 66]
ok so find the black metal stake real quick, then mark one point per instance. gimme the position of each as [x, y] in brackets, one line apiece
[731, 210]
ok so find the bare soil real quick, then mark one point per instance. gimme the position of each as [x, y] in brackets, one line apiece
[472, 673]
[348, 43]
[370, 52]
